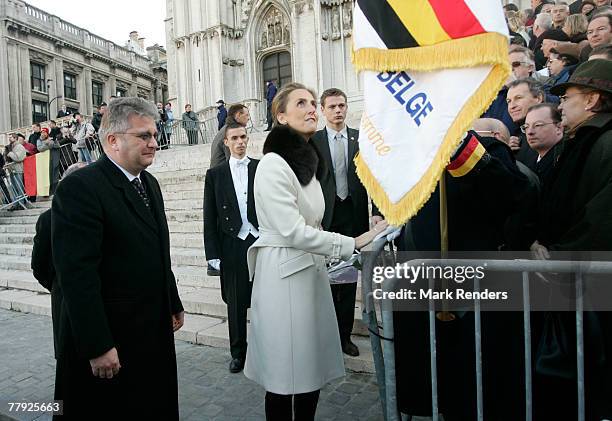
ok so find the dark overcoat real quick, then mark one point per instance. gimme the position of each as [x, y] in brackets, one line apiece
[43, 269]
[112, 258]
[576, 218]
[479, 204]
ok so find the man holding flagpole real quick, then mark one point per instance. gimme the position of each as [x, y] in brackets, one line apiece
[429, 69]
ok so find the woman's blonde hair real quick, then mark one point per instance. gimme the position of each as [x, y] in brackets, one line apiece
[576, 24]
[279, 103]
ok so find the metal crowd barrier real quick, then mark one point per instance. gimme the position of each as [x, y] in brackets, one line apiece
[187, 133]
[384, 356]
[12, 188]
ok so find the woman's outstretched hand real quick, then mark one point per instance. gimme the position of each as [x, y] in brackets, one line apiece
[367, 237]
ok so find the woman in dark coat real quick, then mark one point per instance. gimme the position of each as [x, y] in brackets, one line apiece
[576, 216]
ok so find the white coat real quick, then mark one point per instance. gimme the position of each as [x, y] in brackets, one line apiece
[293, 345]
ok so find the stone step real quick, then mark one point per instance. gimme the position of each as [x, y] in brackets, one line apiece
[194, 227]
[203, 301]
[19, 220]
[23, 280]
[15, 263]
[43, 204]
[26, 301]
[24, 212]
[180, 177]
[180, 187]
[185, 215]
[16, 238]
[166, 177]
[18, 228]
[16, 250]
[182, 240]
[185, 204]
[198, 329]
[185, 256]
[195, 276]
[184, 195]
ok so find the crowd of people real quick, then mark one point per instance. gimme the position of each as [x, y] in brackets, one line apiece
[542, 183]
[77, 140]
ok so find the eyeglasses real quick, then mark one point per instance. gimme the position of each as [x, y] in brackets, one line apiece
[145, 137]
[516, 64]
[564, 98]
[536, 126]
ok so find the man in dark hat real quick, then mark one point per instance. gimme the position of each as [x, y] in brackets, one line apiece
[221, 113]
[576, 216]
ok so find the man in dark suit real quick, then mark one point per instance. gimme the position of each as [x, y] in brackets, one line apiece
[111, 252]
[230, 228]
[346, 200]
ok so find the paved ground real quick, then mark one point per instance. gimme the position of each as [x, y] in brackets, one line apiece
[207, 391]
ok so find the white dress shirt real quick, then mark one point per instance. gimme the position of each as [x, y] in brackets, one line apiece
[240, 176]
[331, 140]
[128, 174]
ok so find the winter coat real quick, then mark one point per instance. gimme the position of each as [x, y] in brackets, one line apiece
[190, 121]
[17, 155]
[294, 345]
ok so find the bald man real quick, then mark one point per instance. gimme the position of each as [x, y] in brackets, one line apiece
[520, 226]
[491, 127]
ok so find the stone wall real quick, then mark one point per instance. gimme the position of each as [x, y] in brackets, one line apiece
[30, 35]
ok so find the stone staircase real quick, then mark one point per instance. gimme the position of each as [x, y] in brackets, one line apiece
[180, 172]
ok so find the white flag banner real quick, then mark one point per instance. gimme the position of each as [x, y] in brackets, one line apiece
[406, 117]
[429, 68]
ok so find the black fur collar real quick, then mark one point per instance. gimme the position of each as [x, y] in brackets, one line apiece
[303, 157]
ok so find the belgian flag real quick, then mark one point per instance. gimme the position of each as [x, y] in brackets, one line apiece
[429, 68]
[36, 174]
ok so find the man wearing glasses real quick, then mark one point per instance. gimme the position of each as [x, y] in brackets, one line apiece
[111, 252]
[522, 94]
[544, 131]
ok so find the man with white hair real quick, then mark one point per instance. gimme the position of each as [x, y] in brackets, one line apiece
[560, 12]
[116, 355]
[543, 22]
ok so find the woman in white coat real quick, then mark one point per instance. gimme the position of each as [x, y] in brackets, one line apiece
[294, 347]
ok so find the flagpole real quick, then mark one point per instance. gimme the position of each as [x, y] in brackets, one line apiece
[444, 315]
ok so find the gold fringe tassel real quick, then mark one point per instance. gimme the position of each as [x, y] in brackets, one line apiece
[477, 50]
[413, 201]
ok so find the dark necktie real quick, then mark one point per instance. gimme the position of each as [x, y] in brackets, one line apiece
[141, 192]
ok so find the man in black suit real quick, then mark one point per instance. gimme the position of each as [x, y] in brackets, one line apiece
[346, 200]
[230, 227]
[111, 251]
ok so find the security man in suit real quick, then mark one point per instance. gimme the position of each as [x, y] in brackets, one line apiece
[230, 228]
[111, 252]
[346, 200]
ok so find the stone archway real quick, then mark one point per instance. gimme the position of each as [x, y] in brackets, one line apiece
[273, 46]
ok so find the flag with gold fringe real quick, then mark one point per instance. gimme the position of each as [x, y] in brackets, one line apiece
[429, 68]
[36, 174]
